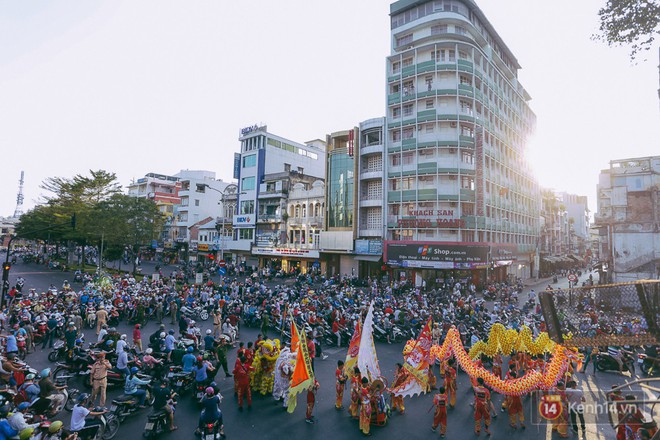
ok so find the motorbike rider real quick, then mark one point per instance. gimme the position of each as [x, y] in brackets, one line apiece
[51, 392]
[17, 419]
[188, 360]
[132, 386]
[170, 342]
[80, 414]
[616, 353]
[162, 396]
[211, 412]
[6, 431]
[155, 338]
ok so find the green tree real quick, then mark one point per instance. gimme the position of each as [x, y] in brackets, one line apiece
[633, 23]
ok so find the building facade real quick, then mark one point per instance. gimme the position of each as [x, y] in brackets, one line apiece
[628, 219]
[267, 168]
[461, 199]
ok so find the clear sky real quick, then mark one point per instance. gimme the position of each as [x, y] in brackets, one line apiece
[157, 86]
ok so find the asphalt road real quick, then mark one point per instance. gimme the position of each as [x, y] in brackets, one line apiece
[268, 421]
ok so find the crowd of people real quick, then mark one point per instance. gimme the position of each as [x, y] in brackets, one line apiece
[325, 309]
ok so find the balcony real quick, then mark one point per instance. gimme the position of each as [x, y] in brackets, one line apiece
[269, 218]
[371, 203]
[370, 232]
[301, 221]
[372, 149]
[371, 174]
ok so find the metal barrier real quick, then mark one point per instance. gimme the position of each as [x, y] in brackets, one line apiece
[601, 315]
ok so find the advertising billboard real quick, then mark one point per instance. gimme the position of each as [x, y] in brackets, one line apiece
[437, 255]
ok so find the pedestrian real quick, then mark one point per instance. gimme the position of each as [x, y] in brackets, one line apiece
[51, 326]
[575, 398]
[174, 307]
[137, 338]
[311, 399]
[99, 378]
[592, 355]
[340, 375]
[440, 402]
[481, 407]
[217, 323]
[101, 318]
[159, 311]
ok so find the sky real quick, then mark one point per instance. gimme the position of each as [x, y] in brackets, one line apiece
[134, 87]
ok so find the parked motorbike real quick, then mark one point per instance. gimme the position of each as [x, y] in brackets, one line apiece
[157, 423]
[211, 431]
[58, 353]
[195, 312]
[650, 366]
[122, 407]
[181, 382]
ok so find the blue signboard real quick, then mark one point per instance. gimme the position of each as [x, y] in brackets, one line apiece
[237, 165]
[222, 271]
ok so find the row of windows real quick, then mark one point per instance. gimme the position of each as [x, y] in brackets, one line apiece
[292, 148]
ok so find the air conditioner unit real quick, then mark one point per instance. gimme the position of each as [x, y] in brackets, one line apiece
[453, 124]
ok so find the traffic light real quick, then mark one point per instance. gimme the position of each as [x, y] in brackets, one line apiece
[211, 257]
[6, 267]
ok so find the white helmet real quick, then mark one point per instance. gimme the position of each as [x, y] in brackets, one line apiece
[149, 350]
[162, 334]
[208, 331]
[123, 337]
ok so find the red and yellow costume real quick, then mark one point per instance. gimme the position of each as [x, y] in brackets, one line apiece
[440, 415]
[397, 401]
[311, 399]
[481, 408]
[497, 365]
[515, 408]
[450, 384]
[339, 387]
[355, 396]
[365, 410]
[560, 424]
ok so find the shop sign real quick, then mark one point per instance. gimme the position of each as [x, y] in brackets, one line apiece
[431, 218]
[244, 219]
[437, 255]
[369, 247]
[203, 247]
[286, 252]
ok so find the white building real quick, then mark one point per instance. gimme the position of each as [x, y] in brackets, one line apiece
[265, 167]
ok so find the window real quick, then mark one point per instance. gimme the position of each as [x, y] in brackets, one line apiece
[407, 110]
[466, 80]
[407, 62]
[429, 82]
[460, 30]
[396, 112]
[245, 234]
[395, 88]
[467, 182]
[396, 67]
[462, 55]
[287, 167]
[247, 207]
[439, 29]
[429, 128]
[200, 188]
[408, 133]
[396, 136]
[249, 161]
[403, 40]
[248, 183]
[407, 158]
[429, 104]
[396, 160]
[467, 157]
[196, 202]
[300, 170]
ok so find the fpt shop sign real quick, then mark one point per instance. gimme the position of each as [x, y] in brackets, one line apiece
[436, 255]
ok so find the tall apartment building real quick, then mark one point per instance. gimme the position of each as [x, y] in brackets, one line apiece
[267, 168]
[628, 219]
[461, 198]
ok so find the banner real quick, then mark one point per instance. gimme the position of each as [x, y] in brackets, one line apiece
[353, 350]
[303, 376]
[416, 365]
[367, 359]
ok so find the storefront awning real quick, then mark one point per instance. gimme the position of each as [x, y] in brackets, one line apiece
[372, 258]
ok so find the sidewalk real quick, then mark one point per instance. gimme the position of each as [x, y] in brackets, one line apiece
[533, 282]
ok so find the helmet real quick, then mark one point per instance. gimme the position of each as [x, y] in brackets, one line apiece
[79, 341]
[209, 331]
[134, 370]
[171, 332]
[45, 372]
[149, 351]
[29, 376]
[109, 342]
[199, 359]
[26, 434]
[137, 325]
[4, 410]
[123, 337]
[190, 349]
[83, 397]
[210, 391]
[23, 406]
[162, 334]
[71, 324]
[55, 427]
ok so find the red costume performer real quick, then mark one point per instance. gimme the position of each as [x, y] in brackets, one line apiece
[481, 407]
[440, 415]
[340, 385]
[242, 381]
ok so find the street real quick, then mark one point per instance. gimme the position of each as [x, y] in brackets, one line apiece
[267, 420]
